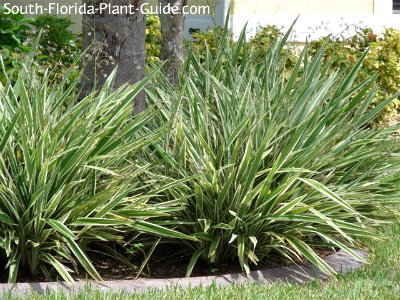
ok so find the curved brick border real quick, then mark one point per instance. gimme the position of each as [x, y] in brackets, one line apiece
[341, 262]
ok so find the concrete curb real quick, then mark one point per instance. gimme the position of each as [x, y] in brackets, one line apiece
[341, 262]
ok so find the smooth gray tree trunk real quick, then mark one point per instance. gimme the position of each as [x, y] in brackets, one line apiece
[114, 41]
[172, 39]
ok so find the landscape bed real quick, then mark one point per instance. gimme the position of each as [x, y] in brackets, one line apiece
[341, 262]
[243, 160]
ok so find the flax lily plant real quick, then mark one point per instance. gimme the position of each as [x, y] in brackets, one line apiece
[69, 174]
[288, 163]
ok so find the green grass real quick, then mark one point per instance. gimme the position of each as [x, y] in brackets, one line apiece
[377, 280]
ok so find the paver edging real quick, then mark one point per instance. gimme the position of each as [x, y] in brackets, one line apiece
[341, 262]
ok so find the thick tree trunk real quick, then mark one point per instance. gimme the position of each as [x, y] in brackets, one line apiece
[114, 40]
[172, 39]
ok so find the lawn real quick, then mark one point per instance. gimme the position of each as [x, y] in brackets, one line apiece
[377, 280]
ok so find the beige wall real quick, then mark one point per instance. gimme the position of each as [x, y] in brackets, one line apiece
[302, 6]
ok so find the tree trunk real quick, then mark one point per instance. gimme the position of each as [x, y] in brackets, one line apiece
[172, 39]
[114, 40]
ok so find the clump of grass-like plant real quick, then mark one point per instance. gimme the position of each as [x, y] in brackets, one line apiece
[286, 160]
[69, 174]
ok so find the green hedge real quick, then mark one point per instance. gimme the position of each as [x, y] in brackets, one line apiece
[59, 48]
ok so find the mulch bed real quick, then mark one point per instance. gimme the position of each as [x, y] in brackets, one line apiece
[164, 263]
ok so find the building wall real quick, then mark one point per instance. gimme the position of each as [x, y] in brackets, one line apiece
[302, 6]
[316, 17]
